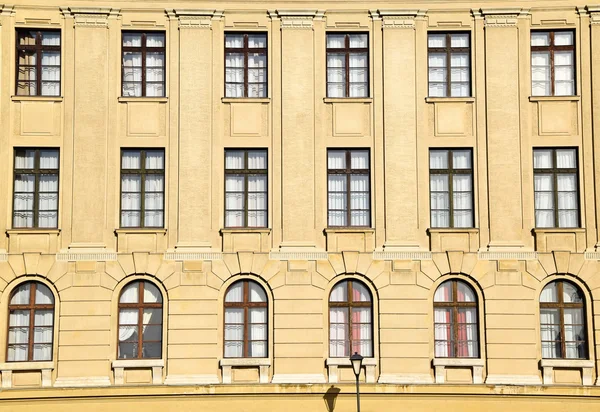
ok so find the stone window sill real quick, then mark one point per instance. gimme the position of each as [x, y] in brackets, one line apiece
[586, 366]
[263, 365]
[126, 99]
[452, 230]
[36, 98]
[558, 230]
[440, 365]
[449, 100]
[45, 368]
[133, 230]
[554, 98]
[246, 230]
[333, 365]
[357, 229]
[120, 365]
[348, 99]
[246, 100]
[32, 231]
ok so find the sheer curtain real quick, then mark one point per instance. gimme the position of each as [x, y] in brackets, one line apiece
[359, 200]
[467, 333]
[550, 333]
[257, 75]
[132, 74]
[23, 200]
[442, 322]
[361, 332]
[540, 73]
[338, 332]
[564, 76]
[459, 73]
[155, 73]
[234, 75]
[440, 200]
[258, 332]
[574, 334]
[128, 322]
[131, 200]
[234, 332]
[153, 200]
[337, 195]
[51, 73]
[462, 187]
[359, 69]
[438, 74]
[336, 67]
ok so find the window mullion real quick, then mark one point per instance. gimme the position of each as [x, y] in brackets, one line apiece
[38, 63]
[144, 64]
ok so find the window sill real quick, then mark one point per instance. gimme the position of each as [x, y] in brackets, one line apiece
[554, 98]
[452, 230]
[246, 100]
[333, 365]
[134, 230]
[586, 366]
[348, 99]
[558, 230]
[32, 231]
[45, 367]
[125, 99]
[263, 365]
[245, 362]
[357, 229]
[449, 99]
[156, 366]
[36, 98]
[246, 230]
[476, 364]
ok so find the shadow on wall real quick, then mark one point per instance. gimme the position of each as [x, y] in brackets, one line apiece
[330, 397]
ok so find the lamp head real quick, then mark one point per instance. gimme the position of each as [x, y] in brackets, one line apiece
[356, 361]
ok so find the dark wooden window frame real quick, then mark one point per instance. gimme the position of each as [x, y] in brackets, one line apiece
[348, 172]
[245, 172]
[143, 172]
[36, 190]
[553, 48]
[245, 304]
[246, 51]
[32, 307]
[555, 171]
[38, 48]
[347, 50]
[143, 49]
[450, 172]
[140, 306]
[454, 306]
[350, 304]
[449, 50]
[561, 305]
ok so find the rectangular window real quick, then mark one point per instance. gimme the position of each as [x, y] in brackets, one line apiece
[245, 65]
[555, 174]
[347, 65]
[245, 188]
[451, 188]
[38, 63]
[142, 187]
[143, 65]
[348, 188]
[449, 64]
[552, 63]
[35, 188]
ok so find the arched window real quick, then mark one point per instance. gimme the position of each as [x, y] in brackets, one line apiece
[350, 320]
[246, 325]
[562, 321]
[455, 320]
[31, 323]
[140, 321]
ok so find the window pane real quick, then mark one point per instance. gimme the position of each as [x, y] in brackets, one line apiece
[436, 40]
[234, 159]
[257, 159]
[563, 38]
[360, 293]
[155, 40]
[130, 293]
[461, 159]
[235, 293]
[336, 41]
[571, 293]
[336, 159]
[257, 293]
[151, 293]
[234, 40]
[155, 159]
[359, 159]
[438, 159]
[566, 158]
[257, 40]
[459, 40]
[131, 159]
[358, 41]
[339, 293]
[540, 38]
[132, 39]
[549, 293]
[465, 293]
[444, 292]
[542, 159]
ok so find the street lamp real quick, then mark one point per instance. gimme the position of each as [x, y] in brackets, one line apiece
[356, 361]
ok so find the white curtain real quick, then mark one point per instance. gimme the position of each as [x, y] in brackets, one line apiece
[465, 293]
[257, 293]
[234, 40]
[130, 294]
[336, 74]
[550, 333]
[361, 332]
[43, 295]
[459, 74]
[359, 159]
[48, 201]
[540, 74]
[442, 333]
[339, 293]
[461, 159]
[50, 73]
[154, 200]
[50, 38]
[540, 38]
[132, 74]
[549, 293]
[234, 200]
[359, 199]
[459, 40]
[336, 159]
[155, 74]
[25, 162]
[257, 159]
[234, 159]
[566, 159]
[574, 334]
[436, 40]
[257, 75]
[257, 41]
[257, 201]
[234, 332]
[131, 159]
[131, 196]
[151, 294]
[438, 75]
[128, 333]
[564, 81]
[443, 293]
[359, 74]
[566, 185]
[21, 295]
[23, 200]
[360, 293]
[440, 200]
[235, 292]
[544, 200]
[438, 159]
[155, 40]
[467, 333]
[42, 335]
[132, 40]
[542, 159]
[338, 332]
[462, 198]
[337, 187]
[234, 75]
[18, 335]
[258, 332]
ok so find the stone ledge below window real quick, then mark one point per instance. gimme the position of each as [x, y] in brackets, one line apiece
[586, 367]
[559, 239]
[153, 240]
[554, 98]
[247, 239]
[449, 100]
[36, 98]
[45, 368]
[228, 364]
[355, 239]
[262, 100]
[120, 365]
[147, 99]
[453, 239]
[333, 365]
[476, 364]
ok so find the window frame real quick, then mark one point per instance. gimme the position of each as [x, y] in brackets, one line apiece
[555, 171]
[347, 50]
[450, 172]
[142, 171]
[143, 49]
[551, 48]
[37, 172]
[140, 306]
[32, 307]
[561, 306]
[454, 306]
[350, 304]
[246, 172]
[246, 304]
[448, 50]
[348, 172]
[39, 49]
[246, 50]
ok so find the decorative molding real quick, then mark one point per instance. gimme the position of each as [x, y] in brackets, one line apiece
[402, 255]
[156, 365]
[7, 10]
[440, 365]
[299, 19]
[3, 256]
[298, 255]
[586, 366]
[45, 368]
[228, 364]
[333, 365]
[591, 255]
[174, 380]
[513, 380]
[405, 378]
[86, 256]
[504, 17]
[90, 16]
[298, 378]
[194, 19]
[491, 255]
[400, 19]
[82, 381]
[181, 256]
[594, 12]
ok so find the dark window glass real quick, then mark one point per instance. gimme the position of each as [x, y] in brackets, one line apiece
[38, 63]
[245, 65]
[143, 64]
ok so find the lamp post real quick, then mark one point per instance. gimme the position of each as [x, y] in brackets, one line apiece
[356, 361]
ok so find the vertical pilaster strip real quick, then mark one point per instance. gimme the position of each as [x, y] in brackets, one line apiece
[503, 128]
[321, 124]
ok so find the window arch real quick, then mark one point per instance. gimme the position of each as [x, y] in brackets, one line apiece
[350, 320]
[455, 320]
[30, 323]
[562, 321]
[246, 320]
[140, 321]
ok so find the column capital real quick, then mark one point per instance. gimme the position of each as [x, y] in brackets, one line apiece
[503, 17]
[193, 18]
[299, 18]
[401, 18]
[594, 12]
[91, 16]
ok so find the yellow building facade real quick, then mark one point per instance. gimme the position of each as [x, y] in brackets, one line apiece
[211, 206]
